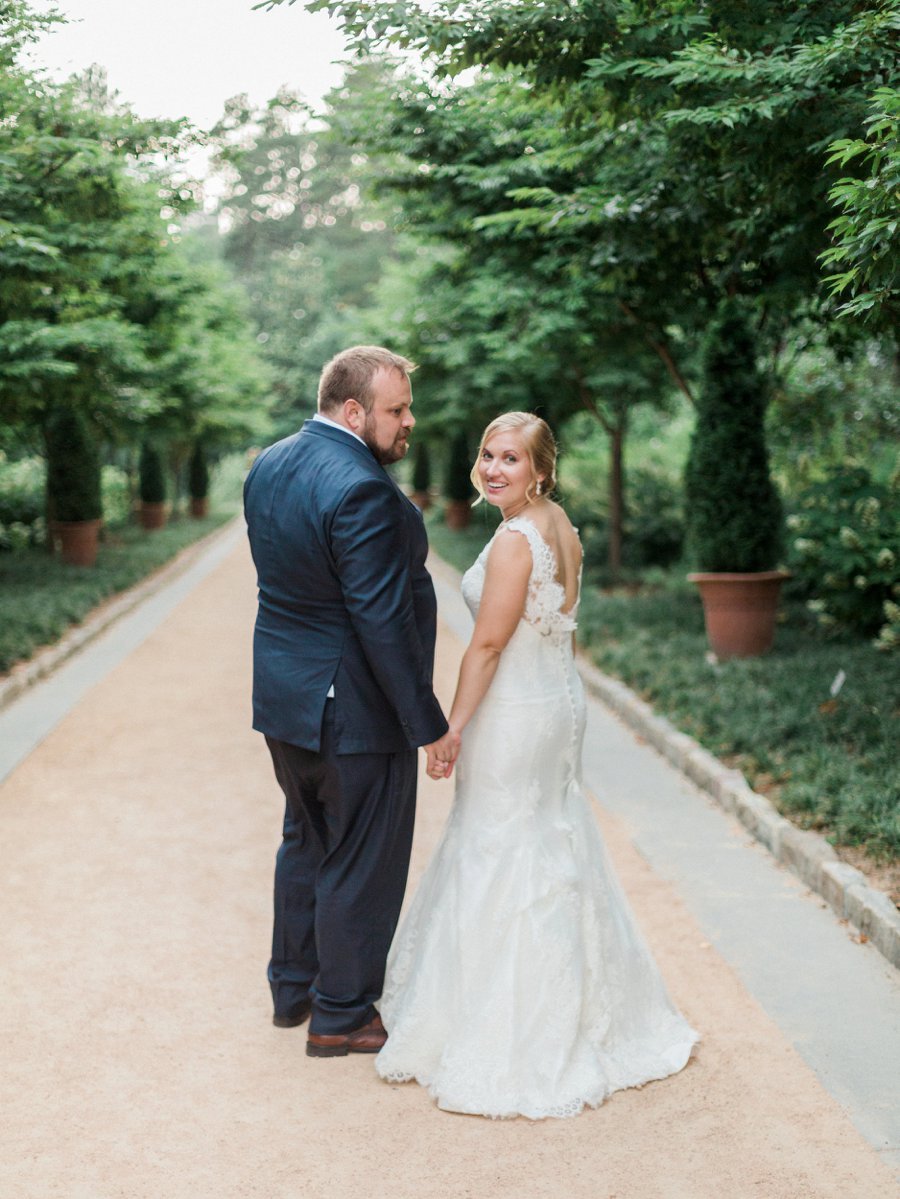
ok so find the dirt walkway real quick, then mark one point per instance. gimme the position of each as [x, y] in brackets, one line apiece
[138, 1055]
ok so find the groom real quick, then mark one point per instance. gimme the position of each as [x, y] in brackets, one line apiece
[343, 653]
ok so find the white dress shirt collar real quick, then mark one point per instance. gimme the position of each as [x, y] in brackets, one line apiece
[326, 420]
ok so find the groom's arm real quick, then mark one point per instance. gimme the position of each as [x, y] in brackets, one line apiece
[370, 550]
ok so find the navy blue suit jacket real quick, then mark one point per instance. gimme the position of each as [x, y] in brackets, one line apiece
[344, 598]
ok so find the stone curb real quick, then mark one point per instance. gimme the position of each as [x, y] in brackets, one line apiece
[45, 661]
[807, 854]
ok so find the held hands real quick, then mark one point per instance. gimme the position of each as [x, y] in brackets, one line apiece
[442, 755]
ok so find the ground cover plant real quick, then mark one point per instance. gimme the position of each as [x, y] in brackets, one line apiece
[828, 762]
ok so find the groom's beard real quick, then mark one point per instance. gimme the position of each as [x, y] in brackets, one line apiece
[385, 454]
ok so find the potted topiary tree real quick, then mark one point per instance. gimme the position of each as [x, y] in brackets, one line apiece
[198, 481]
[421, 477]
[733, 511]
[74, 502]
[458, 484]
[151, 488]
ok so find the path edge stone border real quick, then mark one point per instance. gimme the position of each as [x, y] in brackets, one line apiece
[25, 674]
[807, 854]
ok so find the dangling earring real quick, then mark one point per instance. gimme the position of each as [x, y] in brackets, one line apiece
[539, 487]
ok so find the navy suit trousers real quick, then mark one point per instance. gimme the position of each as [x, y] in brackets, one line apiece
[340, 876]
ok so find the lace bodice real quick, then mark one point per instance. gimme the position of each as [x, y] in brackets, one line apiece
[545, 603]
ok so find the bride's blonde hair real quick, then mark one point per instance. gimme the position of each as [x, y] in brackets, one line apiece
[540, 446]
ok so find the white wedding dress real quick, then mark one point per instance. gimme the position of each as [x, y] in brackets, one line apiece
[518, 984]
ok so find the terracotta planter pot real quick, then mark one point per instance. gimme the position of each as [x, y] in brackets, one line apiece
[199, 506]
[153, 516]
[77, 539]
[421, 499]
[457, 514]
[740, 610]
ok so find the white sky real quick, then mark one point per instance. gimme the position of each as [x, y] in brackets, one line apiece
[184, 58]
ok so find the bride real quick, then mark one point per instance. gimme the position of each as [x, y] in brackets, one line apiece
[518, 983]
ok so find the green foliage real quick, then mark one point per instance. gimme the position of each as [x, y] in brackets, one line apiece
[829, 764]
[866, 240]
[845, 549]
[73, 466]
[22, 502]
[209, 381]
[116, 490]
[304, 236]
[80, 239]
[653, 527]
[227, 483]
[198, 473]
[831, 404]
[100, 309]
[733, 510]
[749, 96]
[888, 638]
[152, 479]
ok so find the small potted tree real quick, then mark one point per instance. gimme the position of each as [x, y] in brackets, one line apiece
[733, 513]
[151, 488]
[421, 477]
[74, 502]
[198, 482]
[458, 484]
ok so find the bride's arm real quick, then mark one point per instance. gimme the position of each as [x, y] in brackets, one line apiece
[502, 604]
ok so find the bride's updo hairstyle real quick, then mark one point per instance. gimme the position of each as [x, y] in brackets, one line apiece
[540, 446]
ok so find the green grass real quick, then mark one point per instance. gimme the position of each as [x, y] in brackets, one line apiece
[830, 765]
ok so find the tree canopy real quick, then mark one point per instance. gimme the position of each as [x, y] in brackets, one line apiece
[101, 310]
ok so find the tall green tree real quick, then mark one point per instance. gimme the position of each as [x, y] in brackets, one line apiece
[303, 235]
[100, 314]
[501, 317]
[697, 135]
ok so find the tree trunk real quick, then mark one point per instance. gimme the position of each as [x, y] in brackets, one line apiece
[616, 498]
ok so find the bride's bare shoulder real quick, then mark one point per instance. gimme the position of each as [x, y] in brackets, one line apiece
[559, 528]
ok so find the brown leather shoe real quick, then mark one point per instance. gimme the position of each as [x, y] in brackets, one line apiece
[368, 1039]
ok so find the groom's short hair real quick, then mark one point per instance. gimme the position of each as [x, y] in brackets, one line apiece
[349, 375]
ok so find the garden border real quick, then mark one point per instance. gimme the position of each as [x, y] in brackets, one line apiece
[25, 674]
[806, 854]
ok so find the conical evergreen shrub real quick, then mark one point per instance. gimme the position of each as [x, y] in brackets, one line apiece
[198, 473]
[73, 466]
[458, 482]
[733, 511]
[152, 481]
[421, 474]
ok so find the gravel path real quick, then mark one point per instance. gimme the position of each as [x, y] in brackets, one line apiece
[138, 1055]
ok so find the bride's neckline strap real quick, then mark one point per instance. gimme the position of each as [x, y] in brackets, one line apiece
[566, 611]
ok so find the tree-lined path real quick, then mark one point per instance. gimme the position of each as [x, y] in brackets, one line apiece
[139, 1059]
